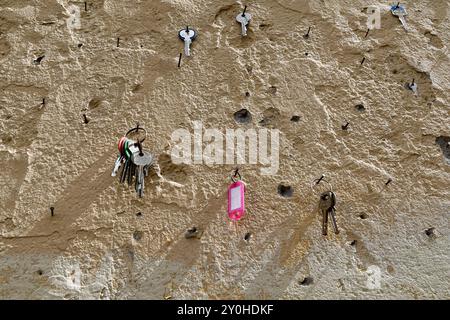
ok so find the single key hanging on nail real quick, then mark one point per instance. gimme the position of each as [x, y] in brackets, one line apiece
[412, 86]
[244, 19]
[188, 36]
[236, 199]
[400, 12]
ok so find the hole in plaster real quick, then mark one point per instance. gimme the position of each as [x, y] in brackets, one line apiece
[285, 191]
[193, 233]
[242, 116]
[430, 232]
[444, 143]
[272, 90]
[137, 235]
[306, 281]
[360, 107]
[38, 60]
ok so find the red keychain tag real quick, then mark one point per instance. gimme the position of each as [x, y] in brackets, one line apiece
[236, 198]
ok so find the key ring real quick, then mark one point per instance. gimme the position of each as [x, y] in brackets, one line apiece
[236, 173]
[316, 182]
[136, 129]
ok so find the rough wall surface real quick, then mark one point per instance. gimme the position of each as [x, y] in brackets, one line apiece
[98, 247]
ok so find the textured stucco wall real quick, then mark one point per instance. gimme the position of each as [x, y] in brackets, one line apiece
[49, 157]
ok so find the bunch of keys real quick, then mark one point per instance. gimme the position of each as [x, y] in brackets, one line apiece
[400, 12]
[236, 201]
[244, 19]
[188, 36]
[327, 203]
[136, 161]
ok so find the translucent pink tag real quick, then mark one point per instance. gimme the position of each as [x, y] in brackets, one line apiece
[236, 202]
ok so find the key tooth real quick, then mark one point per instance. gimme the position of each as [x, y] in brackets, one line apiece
[324, 222]
[130, 174]
[333, 221]
[187, 44]
[116, 166]
[133, 171]
[136, 184]
[123, 174]
[141, 174]
[126, 173]
[146, 170]
[244, 29]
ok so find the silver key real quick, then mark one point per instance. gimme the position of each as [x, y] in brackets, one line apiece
[400, 12]
[139, 184]
[333, 220]
[188, 36]
[131, 172]
[132, 168]
[123, 175]
[141, 160]
[326, 206]
[117, 165]
[243, 19]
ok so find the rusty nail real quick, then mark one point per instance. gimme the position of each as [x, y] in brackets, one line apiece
[307, 34]
[345, 126]
[320, 179]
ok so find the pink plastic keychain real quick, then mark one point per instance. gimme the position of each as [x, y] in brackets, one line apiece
[236, 202]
